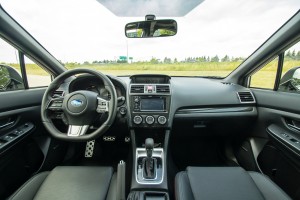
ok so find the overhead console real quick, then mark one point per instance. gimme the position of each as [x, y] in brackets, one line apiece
[149, 99]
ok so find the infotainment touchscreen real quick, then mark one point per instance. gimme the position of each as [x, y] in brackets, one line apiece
[152, 104]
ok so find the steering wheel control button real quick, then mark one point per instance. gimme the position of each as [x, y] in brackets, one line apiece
[56, 104]
[162, 120]
[102, 105]
[77, 103]
[137, 119]
[150, 120]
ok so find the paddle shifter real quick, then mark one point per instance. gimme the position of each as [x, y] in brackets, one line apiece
[149, 162]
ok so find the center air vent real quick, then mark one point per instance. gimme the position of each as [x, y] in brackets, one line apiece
[246, 97]
[162, 89]
[137, 89]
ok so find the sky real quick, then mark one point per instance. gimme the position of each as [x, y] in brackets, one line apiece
[85, 30]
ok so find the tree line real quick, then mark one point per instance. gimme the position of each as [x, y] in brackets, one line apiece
[289, 55]
[292, 55]
[215, 58]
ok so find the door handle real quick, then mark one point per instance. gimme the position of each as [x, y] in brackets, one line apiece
[6, 124]
[9, 121]
[294, 127]
[294, 124]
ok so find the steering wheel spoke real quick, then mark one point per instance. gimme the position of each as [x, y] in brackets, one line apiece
[76, 131]
[103, 105]
[55, 104]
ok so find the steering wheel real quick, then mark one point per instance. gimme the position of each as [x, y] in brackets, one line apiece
[79, 108]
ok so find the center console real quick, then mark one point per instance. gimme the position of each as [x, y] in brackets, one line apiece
[149, 109]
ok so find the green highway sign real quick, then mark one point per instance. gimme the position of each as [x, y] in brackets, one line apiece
[122, 57]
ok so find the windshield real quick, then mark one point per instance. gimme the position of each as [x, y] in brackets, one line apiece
[213, 38]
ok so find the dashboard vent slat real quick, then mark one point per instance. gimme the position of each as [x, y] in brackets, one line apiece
[246, 97]
[137, 89]
[162, 89]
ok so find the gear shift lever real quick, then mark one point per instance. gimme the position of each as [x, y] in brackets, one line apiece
[149, 144]
[149, 166]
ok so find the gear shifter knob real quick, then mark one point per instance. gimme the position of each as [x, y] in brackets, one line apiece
[149, 145]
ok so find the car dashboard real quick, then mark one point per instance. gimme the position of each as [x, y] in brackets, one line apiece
[162, 102]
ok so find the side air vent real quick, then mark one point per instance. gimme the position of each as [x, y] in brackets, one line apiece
[246, 97]
[58, 94]
[162, 89]
[137, 89]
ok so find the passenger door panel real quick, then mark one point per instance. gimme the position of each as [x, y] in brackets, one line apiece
[280, 157]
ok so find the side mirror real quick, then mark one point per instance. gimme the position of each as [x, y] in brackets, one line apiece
[10, 79]
[291, 80]
[151, 28]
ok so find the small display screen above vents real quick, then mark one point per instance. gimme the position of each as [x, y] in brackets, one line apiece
[150, 79]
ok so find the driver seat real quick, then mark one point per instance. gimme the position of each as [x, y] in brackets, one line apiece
[70, 182]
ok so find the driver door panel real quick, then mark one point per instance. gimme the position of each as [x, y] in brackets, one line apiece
[22, 138]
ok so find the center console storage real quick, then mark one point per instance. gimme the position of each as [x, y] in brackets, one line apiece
[147, 195]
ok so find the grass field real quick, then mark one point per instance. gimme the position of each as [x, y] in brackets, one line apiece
[264, 78]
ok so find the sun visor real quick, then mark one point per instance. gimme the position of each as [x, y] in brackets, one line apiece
[161, 8]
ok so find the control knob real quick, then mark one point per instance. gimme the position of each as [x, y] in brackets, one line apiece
[137, 119]
[162, 120]
[150, 120]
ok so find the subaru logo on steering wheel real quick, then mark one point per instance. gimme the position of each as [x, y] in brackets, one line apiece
[76, 102]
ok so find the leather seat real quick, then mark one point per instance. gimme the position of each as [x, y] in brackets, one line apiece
[226, 183]
[65, 183]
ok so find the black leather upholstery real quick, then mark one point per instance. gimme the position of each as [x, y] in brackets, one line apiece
[226, 183]
[182, 187]
[267, 187]
[65, 183]
[28, 190]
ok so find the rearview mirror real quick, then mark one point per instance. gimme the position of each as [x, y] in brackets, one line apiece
[290, 81]
[151, 28]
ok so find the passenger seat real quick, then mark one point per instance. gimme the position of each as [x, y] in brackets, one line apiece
[226, 183]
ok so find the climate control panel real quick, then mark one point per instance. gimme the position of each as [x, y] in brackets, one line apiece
[154, 120]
